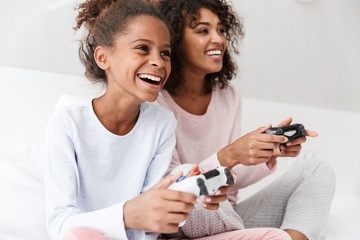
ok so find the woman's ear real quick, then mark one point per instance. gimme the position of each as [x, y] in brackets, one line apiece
[101, 58]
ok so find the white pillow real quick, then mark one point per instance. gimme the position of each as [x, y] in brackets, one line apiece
[22, 201]
[344, 220]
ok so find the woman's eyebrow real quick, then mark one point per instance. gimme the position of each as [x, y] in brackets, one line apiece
[207, 24]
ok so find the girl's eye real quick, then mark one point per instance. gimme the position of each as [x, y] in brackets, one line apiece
[143, 48]
[165, 53]
[222, 30]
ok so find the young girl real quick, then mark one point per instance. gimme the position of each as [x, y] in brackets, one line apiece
[208, 111]
[106, 157]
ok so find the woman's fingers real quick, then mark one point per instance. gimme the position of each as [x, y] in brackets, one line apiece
[311, 133]
[286, 122]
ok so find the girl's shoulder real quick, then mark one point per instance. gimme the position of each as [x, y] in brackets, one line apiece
[155, 112]
[68, 112]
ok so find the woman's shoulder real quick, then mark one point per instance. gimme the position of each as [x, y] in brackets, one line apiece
[229, 93]
[163, 99]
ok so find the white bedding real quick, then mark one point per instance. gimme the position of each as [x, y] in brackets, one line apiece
[22, 200]
[27, 101]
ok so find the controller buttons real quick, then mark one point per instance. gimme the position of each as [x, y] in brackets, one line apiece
[211, 174]
[290, 133]
[181, 178]
[279, 131]
[195, 173]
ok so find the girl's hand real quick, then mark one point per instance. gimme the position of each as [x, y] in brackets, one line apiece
[293, 148]
[251, 149]
[159, 209]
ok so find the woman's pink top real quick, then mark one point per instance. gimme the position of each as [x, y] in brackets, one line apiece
[200, 137]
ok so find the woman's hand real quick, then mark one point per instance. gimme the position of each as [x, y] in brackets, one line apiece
[251, 149]
[293, 148]
[212, 202]
[159, 209]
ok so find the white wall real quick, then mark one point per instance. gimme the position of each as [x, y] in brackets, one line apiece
[337, 142]
[303, 53]
[38, 35]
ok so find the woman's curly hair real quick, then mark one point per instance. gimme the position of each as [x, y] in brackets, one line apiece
[104, 20]
[179, 13]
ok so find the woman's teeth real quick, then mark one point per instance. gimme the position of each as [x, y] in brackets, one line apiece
[214, 53]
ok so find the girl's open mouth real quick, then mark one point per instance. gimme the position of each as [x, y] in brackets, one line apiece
[155, 80]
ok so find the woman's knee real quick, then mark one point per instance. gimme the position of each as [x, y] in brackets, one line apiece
[83, 233]
[321, 168]
[328, 171]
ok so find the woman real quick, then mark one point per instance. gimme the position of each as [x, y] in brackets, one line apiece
[208, 111]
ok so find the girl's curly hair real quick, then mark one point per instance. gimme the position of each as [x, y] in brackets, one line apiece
[105, 19]
[180, 13]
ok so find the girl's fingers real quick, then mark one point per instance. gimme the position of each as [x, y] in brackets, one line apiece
[194, 170]
[167, 181]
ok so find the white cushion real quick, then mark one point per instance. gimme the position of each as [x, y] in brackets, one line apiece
[344, 220]
[22, 202]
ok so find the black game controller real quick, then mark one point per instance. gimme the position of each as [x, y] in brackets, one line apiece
[291, 132]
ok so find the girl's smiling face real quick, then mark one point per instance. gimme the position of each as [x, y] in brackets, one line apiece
[138, 64]
[204, 43]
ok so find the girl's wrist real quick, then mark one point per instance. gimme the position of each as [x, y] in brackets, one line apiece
[128, 213]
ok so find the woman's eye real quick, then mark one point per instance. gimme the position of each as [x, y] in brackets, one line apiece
[203, 31]
[222, 30]
[165, 53]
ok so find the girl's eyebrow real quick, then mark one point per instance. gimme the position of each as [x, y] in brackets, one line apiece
[149, 41]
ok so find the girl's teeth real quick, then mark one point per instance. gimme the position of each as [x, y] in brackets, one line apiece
[153, 78]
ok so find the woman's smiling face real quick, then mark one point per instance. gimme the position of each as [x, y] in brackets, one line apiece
[139, 62]
[204, 43]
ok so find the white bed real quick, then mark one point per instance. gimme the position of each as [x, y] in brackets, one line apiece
[28, 97]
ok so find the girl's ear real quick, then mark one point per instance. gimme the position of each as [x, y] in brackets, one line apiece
[101, 58]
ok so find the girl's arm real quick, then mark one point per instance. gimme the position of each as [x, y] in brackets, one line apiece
[62, 191]
[162, 158]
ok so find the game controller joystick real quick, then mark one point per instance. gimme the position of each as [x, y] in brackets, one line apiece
[205, 184]
[291, 132]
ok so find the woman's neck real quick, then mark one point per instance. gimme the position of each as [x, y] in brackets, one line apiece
[191, 96]
[193, 85]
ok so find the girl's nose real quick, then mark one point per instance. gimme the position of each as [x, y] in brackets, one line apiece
[157, 62]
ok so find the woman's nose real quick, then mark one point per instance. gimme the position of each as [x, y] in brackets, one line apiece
[216, 37]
